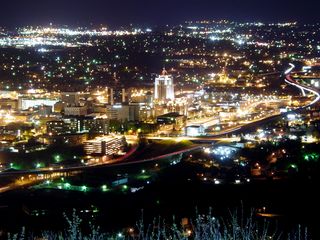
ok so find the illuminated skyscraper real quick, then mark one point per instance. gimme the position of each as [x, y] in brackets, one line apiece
[163, 87]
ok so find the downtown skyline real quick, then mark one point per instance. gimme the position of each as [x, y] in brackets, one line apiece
[108, 108]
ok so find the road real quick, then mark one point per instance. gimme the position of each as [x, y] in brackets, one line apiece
[303, 88]
[210, 121]
[204, 138]
[112, 163]
[289, 80]
[29, 178]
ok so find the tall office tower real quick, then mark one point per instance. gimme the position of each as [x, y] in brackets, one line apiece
[163, 87]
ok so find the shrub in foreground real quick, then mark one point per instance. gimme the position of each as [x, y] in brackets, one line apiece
[202, 227]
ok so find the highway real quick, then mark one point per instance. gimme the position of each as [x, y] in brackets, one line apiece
[113, 163]
[303, 88]
[31, 177]
[288, 79]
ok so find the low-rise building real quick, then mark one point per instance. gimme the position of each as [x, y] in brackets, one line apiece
[123, 112]
[76, 111]
[55, 127]
[104, 145]
[194, 130]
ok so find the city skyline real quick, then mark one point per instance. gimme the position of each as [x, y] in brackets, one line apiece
[110, 108]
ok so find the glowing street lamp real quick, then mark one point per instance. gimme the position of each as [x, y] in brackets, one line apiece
[104, 188]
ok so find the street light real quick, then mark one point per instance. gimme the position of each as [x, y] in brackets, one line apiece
[104, 188]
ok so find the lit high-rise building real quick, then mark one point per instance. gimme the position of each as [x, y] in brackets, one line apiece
[163, 87]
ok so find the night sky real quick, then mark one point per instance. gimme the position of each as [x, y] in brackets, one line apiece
[152, 12]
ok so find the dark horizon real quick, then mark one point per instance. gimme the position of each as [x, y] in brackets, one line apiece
[122, 13]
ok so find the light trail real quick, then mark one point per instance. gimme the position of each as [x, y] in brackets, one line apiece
[303, 88]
